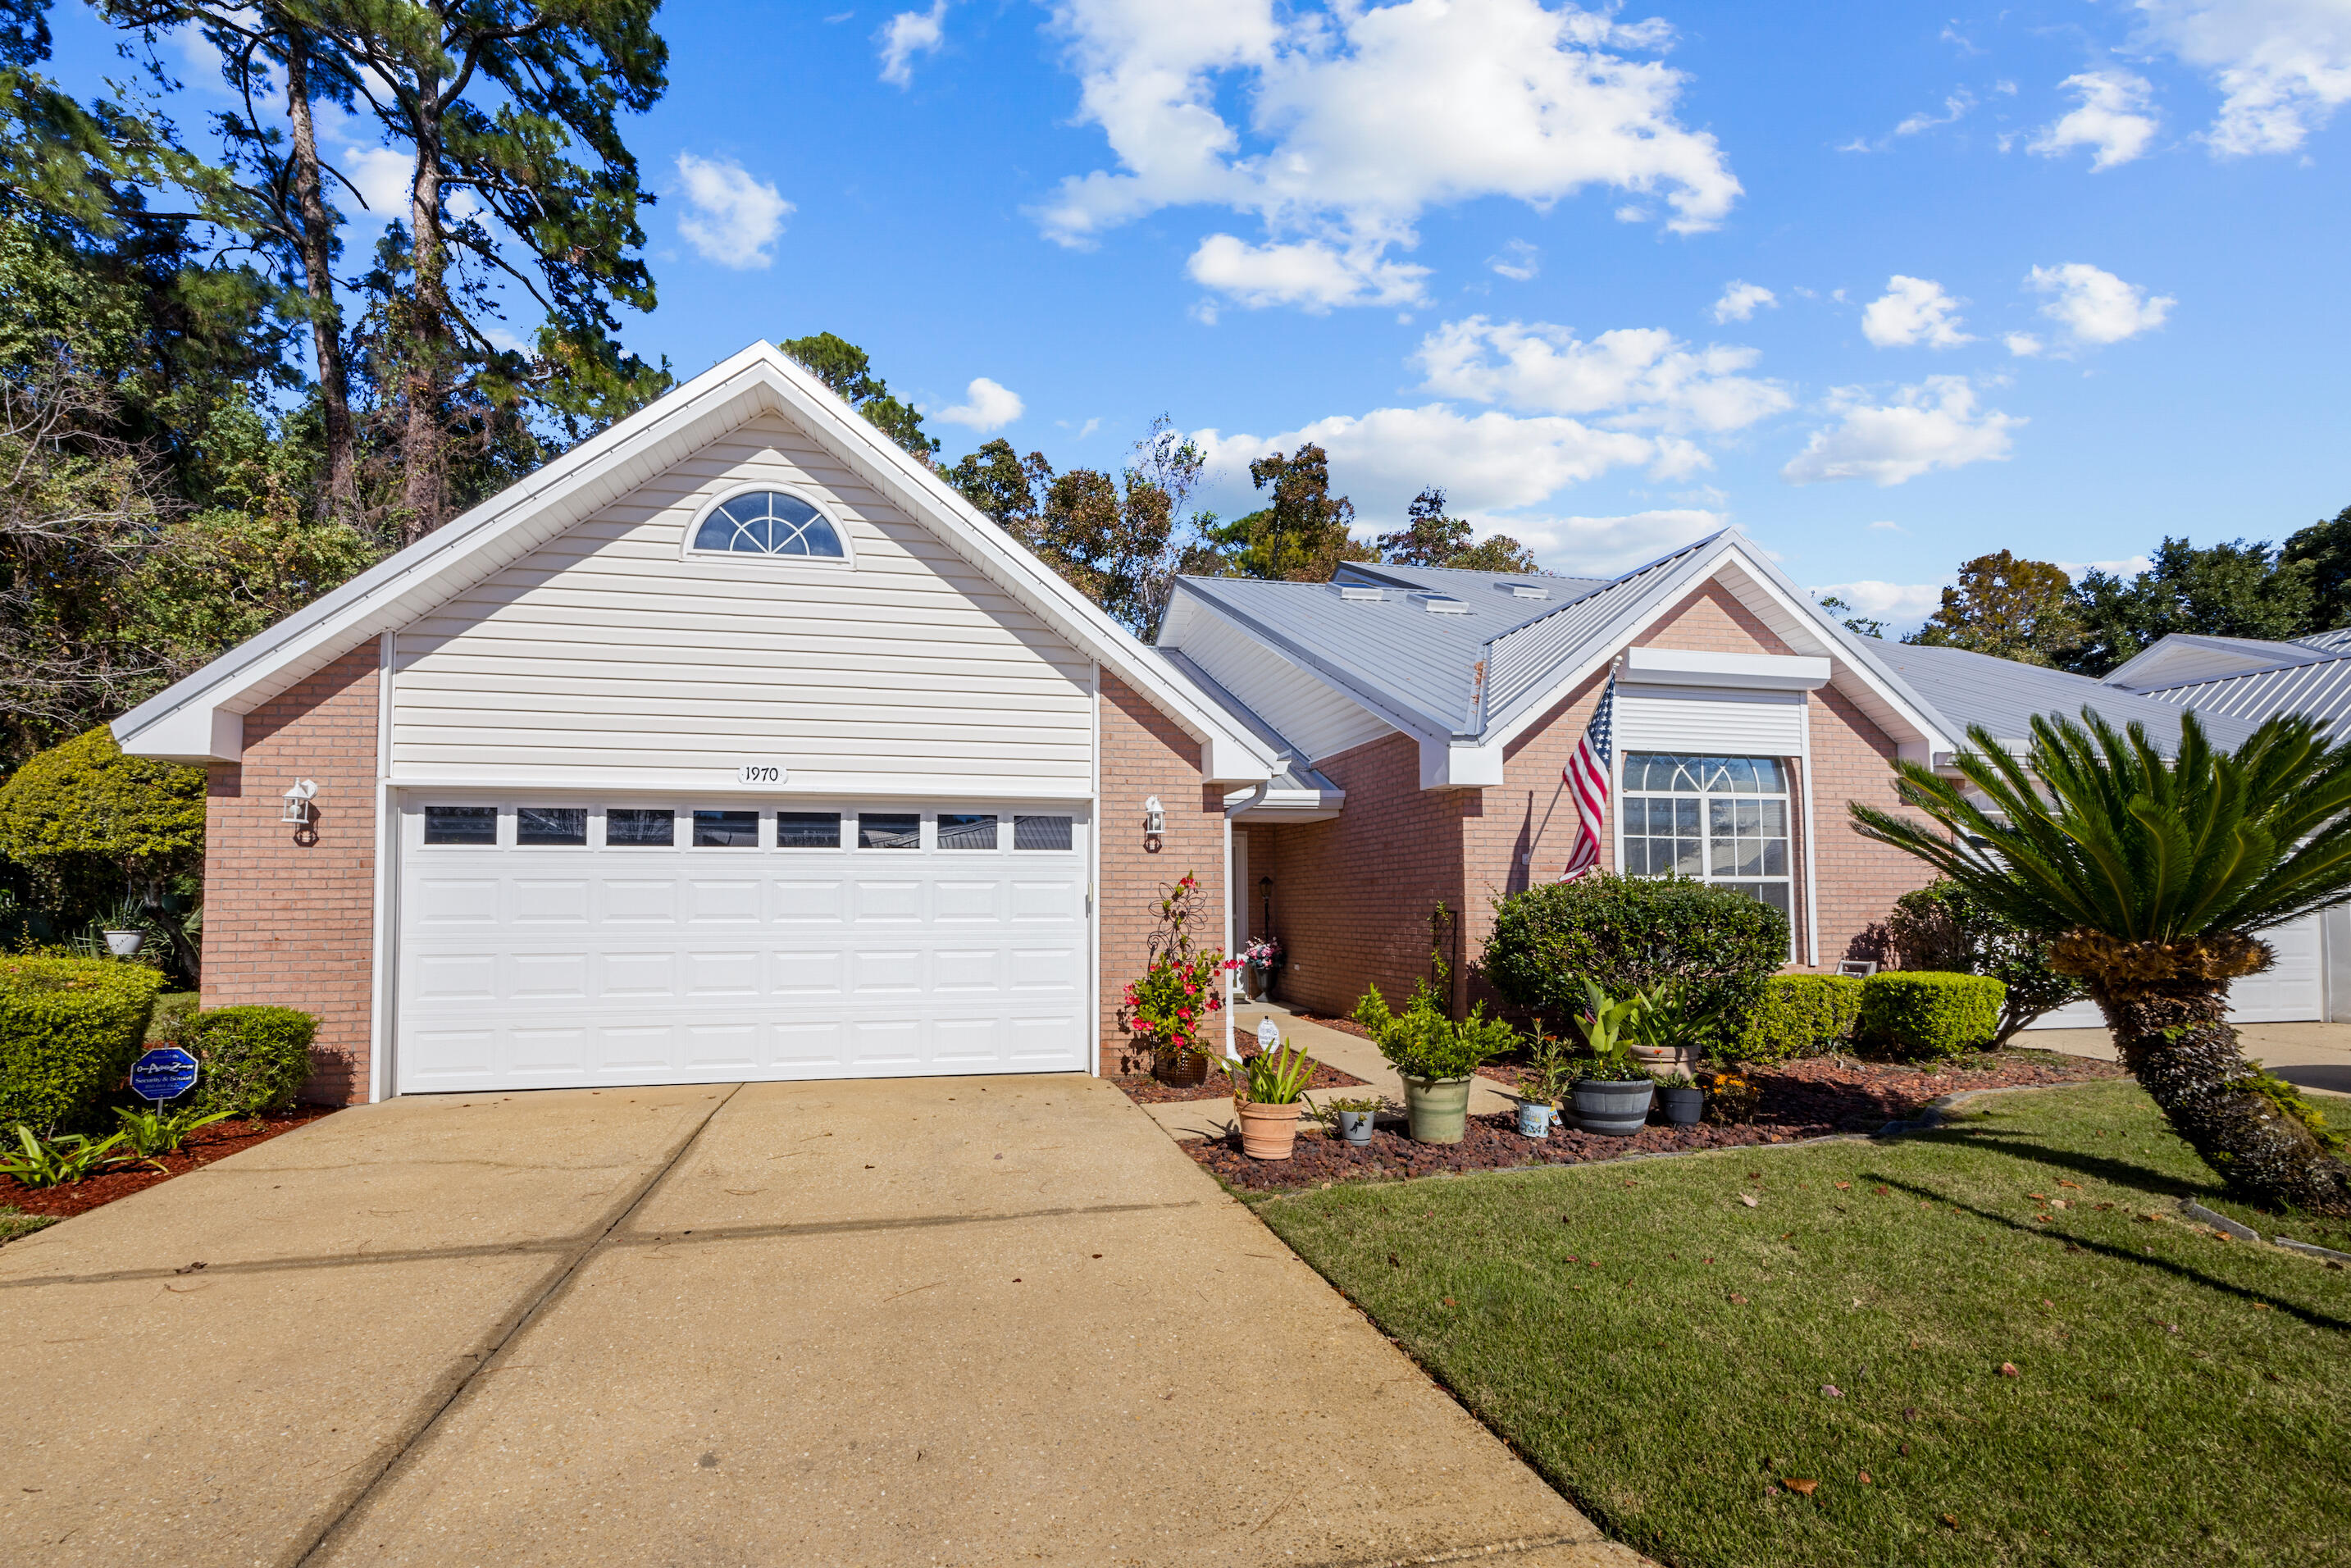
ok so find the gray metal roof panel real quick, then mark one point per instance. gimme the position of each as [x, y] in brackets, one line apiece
[2320, 690]
[2003, 695]
[1295, 774]
[1527, 656]
[2335, 642]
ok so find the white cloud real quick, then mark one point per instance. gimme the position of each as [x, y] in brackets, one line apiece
[1310, 274]
[1640, 378]
[1934, 424]
[734, 217]
[1517, 261]
[2283, 67]
[1362, 117]
[2111, 117]
[1742, 299]
[1486, 461]
[1896, 601]
[382, 177]
[906, 34]
[987, 405]
[1913, 310]
[2023, 345]
[1955, 107]
[1604, 547]
[1887, 526]
[2094, 306]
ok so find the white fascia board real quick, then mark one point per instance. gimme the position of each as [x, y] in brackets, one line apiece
[467, 548]
[1449, 764]
[1280, 805]
[1691, 667]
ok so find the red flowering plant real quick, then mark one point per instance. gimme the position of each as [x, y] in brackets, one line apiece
[1181, 992]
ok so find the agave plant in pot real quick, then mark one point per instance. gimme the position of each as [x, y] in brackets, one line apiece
[1269, 1091]
[1437, 1056]
[1612, 1094]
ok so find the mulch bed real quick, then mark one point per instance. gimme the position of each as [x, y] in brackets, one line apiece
[204, 1147]
[1146, 1090]
[1807, 1099]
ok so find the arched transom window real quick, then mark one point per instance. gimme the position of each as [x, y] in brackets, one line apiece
[768, 522]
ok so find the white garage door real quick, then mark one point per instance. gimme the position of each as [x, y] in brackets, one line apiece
[548, 944]
[2289, 990]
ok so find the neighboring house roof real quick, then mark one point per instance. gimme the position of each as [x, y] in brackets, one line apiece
[2180, 656]
[2319, 689]
[201, 717]
[2003, 695]
[2335, 642]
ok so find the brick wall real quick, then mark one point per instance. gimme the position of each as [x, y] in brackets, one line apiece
[289, 911]
[1353, 896]
[1146, 753]
[1858, 879]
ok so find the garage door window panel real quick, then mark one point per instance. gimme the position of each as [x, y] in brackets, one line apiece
[557, 825]
[726, 830]
[808, 830]
[889, 831]
[967, 830]
[637, 827]
[476, 825]
[1041, 834]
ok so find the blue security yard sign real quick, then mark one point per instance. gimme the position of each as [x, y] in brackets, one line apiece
[165, 1073]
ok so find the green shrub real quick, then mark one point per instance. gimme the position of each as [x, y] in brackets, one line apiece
[1928, 1013]
[1943, 926]
[1423, 1043]
[1800, 1014]
[253, 1058]
[1632, 934]
[70, 1028]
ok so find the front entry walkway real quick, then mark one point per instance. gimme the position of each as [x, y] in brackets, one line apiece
[948, 1321]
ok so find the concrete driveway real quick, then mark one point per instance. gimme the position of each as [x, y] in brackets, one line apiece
[956, 1321]
[2307, 1055]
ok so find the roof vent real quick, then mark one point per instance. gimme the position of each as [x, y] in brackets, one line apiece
[1441, 604]
[1526, 590]
[1357, 593]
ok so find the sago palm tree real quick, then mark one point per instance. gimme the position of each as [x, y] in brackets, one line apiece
[2151, 877]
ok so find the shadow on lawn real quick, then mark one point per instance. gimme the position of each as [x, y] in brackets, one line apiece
[2105, 1249]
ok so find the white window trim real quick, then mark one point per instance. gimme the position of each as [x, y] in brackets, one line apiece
[846, 561]
[1803, 936]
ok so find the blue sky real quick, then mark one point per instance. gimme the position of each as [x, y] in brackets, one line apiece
[2054, 278]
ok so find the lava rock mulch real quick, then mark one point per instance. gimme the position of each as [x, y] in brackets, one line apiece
[1807, 1099]
[204, 1147]
[1146, 1090]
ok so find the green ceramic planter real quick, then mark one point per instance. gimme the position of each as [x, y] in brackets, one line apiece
[1437, 1108]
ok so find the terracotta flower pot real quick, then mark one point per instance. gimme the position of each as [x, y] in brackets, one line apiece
[1269, 1132]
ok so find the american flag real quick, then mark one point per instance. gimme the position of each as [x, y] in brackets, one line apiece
[1586, 775]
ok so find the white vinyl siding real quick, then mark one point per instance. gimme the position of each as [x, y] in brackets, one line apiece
[1708, 720]
[608, 656]
[1306, 710]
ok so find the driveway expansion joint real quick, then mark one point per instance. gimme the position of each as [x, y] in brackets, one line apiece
[401, 1452]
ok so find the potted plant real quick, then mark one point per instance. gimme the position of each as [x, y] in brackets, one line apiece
[1269, 1091]
[1169, 1008]
[1612, 1094]
[1260, 961]
[1351, 1119]
[1683, 1101]
[1437, 1056]
[1546, 1079]
[1673, 1029]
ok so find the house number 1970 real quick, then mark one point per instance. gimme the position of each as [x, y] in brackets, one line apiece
[759, 773]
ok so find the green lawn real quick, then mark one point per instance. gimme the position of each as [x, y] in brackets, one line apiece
[1661, 1350]
[15, 1222]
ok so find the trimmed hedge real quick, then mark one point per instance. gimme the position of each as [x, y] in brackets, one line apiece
[252, 1057]
[1930, 1013]
[70, 1028]
[1628, 934]
[1800, 1014]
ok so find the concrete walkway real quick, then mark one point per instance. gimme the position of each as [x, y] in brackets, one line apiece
[945, 1320]
[2311, 1055]
[1348, 1052]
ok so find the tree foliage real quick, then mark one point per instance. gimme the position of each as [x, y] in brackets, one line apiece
[1431, 538]
[2008, 608]
[1943, 926]
[845, 368]
[1301, 535]
[2324, 551]
[2240, 589]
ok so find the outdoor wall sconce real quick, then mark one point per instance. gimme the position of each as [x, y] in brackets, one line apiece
[297, 802]
[1155, 822]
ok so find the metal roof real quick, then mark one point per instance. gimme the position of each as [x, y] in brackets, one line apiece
[2335, 642]
[2320, 690]
[1293, 770]
[2003, 695]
